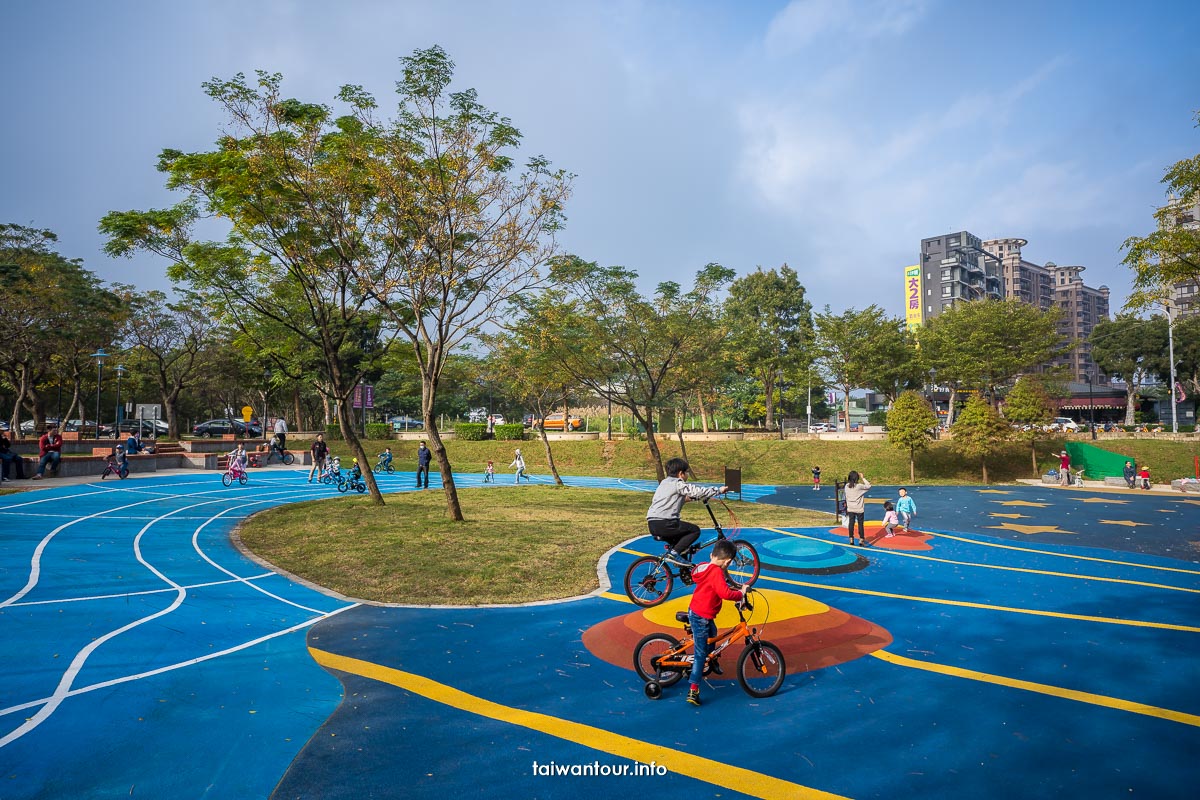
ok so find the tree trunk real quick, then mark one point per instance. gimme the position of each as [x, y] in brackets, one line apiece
[651, 441]
[769, 395]
[1130, 396]
[950, 406]
[296, 403]
[983, 463]
[1033, 456]
[558, 481]
[912, 465]
[703, 411]
[346, 422]
[683, 448]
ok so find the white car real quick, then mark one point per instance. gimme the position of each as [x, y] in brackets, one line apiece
[822, 427]
[498, 419]
[1065, 424]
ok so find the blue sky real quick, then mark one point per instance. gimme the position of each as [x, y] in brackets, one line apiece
[829, 135]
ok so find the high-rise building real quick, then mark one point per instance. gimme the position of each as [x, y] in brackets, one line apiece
[956, 268]
[1187, 294]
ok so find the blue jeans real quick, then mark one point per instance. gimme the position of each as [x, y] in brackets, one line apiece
[18, 466]
[51, 458]
[702, 630]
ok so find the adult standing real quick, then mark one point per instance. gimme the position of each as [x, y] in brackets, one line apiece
[320, 451]
[491, 422]
[49, 451]
[7, 456]
[1064, 469]
[281, 431]
[424, 456]
[855, 492]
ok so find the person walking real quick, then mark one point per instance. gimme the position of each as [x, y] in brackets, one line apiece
[856, 509]
[519, 463]
[906, 509]
[320, 451]
[424, 456]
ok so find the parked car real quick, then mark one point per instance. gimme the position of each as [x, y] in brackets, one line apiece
[1065, 424]
[27, 425]
[221, 427]
[527, 420]
[497, 419]
[405, 423]
[150, 428]
[554, 422]
[821, 427]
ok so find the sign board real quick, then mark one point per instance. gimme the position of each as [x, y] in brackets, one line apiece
[912, 297]
[359, 392]
[733, 480]
[148, 411]
[247, 412]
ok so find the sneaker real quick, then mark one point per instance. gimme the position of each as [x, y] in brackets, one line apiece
[37, 477]
[677, 559]
[694, 696]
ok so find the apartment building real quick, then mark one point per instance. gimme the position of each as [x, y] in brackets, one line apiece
[956, 267]
[1186, 295]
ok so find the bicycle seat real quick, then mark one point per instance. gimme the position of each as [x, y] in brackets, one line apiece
[681, 616]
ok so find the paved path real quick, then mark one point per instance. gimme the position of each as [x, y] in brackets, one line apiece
[144, 656]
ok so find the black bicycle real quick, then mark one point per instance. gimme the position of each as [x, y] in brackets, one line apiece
[649, 580]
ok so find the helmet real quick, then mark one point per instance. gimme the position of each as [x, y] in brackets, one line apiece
[354, 460]
[121, 447]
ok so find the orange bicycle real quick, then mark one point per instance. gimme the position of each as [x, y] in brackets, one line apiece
[662, 660]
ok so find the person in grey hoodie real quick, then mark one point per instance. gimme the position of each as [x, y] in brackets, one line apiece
[855, 491]
[663, 515]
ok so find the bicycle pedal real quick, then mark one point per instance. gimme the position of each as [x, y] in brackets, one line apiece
[685, 575]
[716, 667]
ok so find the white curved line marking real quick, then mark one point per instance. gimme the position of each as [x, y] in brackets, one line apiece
[190, 586]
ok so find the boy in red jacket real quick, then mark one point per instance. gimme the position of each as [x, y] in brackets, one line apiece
[711, 590]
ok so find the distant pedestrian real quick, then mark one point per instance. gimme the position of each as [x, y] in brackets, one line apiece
[1064, 469]
[816, 473]
[424, 457]
[519, 463]
[320, 451]
[489, 474]
[906, 509]
[856, 491]
[491, 420]
[1130, 475]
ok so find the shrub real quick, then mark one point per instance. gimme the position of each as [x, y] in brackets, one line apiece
[471, 431]
[379, 430]
[877, 418]
[333, 431]
[510, 431]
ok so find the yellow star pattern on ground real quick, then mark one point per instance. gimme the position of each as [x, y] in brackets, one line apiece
[1020, 503]
[994, 491]
[1012, 526]
[1128, 523]
[1010, 516]
[1099, 500]
[1188, 502]
[874, 500]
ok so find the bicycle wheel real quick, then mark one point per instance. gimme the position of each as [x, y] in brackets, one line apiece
[106, 473]
[745, 562]
[360, 487]
[653, 647]
[391, 470]
[648, 581]
[288, 459]
[760, 669]
[325, 479]
[343, 486]
[242, 479]
[123, 474]
[227, 479]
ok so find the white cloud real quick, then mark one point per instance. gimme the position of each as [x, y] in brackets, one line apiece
[805, 21]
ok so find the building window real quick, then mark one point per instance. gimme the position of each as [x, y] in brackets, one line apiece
[945, 274]
[945, 291]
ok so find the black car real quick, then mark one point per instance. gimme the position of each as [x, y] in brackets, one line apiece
[222, 427]
[149, 428]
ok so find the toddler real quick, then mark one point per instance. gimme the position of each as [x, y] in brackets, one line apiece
[816, 471]
[906, 509]
[890, 520]
[489, 474]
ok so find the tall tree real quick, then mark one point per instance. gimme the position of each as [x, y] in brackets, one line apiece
[640, 353]
[770, 330]
[981, 346]
[911, 424]
[1027, 406]
[1170, 254]
[288, 178]
[1129, 348]
[455, 231]
[980, 431]
[860, 350]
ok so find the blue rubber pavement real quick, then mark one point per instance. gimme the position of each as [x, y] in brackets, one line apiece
[1049, 654]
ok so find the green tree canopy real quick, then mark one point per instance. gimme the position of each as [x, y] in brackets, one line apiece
[1028, 407]
[911, 424]
[865, 350]
[1132, 349]
[979, 431]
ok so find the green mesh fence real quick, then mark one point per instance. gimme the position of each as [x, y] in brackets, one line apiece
[1095, 462]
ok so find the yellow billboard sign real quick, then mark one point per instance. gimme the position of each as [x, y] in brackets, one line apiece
[912, 297]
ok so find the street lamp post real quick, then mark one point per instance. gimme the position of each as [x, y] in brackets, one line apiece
[1091, 404]
[99, 355]
[937, 422]
[1171, 355]
[117, 428]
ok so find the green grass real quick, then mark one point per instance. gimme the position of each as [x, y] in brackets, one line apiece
[518, 544]
[772, 461]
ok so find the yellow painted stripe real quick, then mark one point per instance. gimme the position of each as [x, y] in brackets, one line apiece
[614, 596]
[1042, 688]
[1065, 555]
[964, 604]
[716, 773]
[1051, 573]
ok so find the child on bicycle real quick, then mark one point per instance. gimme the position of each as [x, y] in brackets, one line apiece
[385, 458]
[238, 459]
[120, 459]
[711, 590]
[663, 515]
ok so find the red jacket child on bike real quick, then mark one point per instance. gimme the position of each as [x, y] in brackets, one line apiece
[710, 593]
